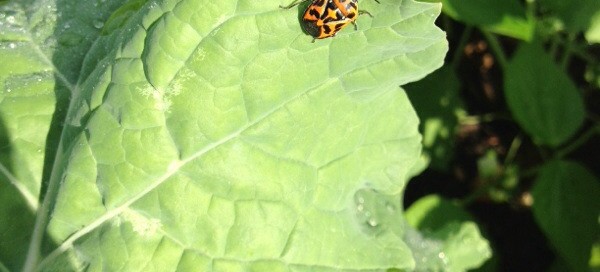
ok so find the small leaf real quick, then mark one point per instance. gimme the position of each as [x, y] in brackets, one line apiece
[505, 17]
[488, 166]
[566, 207]
[447, 240]
[432, 212]
[542, 98]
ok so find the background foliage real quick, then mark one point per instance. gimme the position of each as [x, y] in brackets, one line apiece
[512, 132]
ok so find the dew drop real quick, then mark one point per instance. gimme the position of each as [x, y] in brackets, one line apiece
[372, 222]
[98, 24]
[443, 258]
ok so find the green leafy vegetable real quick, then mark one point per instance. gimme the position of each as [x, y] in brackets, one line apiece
[206, 135]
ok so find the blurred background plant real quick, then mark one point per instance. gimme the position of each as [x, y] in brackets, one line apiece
[511, 131]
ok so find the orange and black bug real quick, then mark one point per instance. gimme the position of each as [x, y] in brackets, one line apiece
[324, 18]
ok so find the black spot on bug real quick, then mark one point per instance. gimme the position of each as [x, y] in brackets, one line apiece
[314, 13]
[311, 28]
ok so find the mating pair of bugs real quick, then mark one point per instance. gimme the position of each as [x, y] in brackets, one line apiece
[324, 18]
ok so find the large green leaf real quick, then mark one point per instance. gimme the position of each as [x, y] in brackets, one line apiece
[566, 207]
[207, 135]
[541, 96]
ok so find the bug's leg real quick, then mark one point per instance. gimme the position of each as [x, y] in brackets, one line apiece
[365, 12]
[313, 41]
[291, 5]
[355, 26]
[377, 1]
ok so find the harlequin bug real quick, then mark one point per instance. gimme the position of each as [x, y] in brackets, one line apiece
[324, 18]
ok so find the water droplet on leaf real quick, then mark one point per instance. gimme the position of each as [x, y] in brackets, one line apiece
[98, 24]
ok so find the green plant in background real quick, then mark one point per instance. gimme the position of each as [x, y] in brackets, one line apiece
[213, 135]
[543, 100]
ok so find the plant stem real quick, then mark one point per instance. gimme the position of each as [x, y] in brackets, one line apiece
[42, 217]
[594, 118]
[513, 149]
[475, 195]
[530, 9]
[496, 48]
[581, 50]
[577, 142]
[464, 38]
[564, 62]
